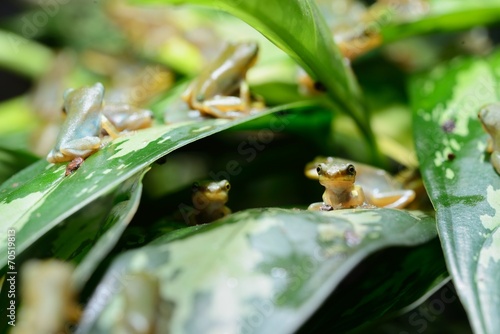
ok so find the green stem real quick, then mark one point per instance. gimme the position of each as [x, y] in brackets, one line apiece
[23, 56]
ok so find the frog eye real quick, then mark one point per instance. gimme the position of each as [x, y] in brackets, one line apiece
[318, 169]
[351, 170]
[228, 186]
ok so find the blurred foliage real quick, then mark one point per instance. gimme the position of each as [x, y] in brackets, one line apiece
[387, 83]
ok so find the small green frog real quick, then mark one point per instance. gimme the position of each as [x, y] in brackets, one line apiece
[80, 133]
[373, 186]
[126, 117]
[209, 199]
[212, 91]
[489, 115]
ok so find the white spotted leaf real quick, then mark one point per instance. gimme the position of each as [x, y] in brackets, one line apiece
[256, 271]
[461, 182]
[39, 197]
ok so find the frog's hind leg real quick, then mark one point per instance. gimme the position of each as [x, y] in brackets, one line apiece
[393, 199]
[222, 107]
[82, 147]
[109, 127]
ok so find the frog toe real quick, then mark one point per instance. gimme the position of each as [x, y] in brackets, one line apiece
[56, 156]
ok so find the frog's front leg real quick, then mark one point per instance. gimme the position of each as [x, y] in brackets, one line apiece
[82, 147]
[495, 160]
[393, 199]
[320, 206]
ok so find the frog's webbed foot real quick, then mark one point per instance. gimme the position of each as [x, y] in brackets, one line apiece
[326, 207]
[394, 199]
[82, 147]
[315, 206]
[320, 206]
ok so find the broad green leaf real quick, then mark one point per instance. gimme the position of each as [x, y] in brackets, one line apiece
[129, 196]
[385, 284]
[460, 179]
[39, 197]
[299, 29]
[256, 271]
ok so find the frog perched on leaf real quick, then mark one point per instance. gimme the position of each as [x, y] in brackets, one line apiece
[81, 133]
[209, 200]
[221, 89]
[340, 190]
[374, 187]
[489, 115]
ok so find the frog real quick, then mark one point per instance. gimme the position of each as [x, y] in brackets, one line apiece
[126, 117]
[209, 199]
[489, 116]
[49, 299]
[143, 309]
[340, 190]
[80, 133]
[377, 187]
[211, 93]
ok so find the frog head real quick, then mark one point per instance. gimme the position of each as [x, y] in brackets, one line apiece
[336, 175]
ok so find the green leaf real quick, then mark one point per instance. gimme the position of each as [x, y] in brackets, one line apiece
[301, 32]
[35, 200]
[23, 55]
[387, 283]
[460, 179]
[260, 270]
[129, 196]
[444, 16]
[12, 161]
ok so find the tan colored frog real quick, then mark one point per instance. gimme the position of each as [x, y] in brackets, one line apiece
[489, 115]
[374, 187]
[209, 199]
[48, 298]
[211, 93]
[340, 190]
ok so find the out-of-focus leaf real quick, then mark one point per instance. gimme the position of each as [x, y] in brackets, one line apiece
[23, 55]
[39, 197]
[128, 198]
[387, 283]
[12, 161]
[256, 271]
[442, 16]
[16, 115]
[461, 182]
[299, 29]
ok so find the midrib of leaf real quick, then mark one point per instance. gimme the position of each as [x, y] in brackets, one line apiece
[456, 233]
